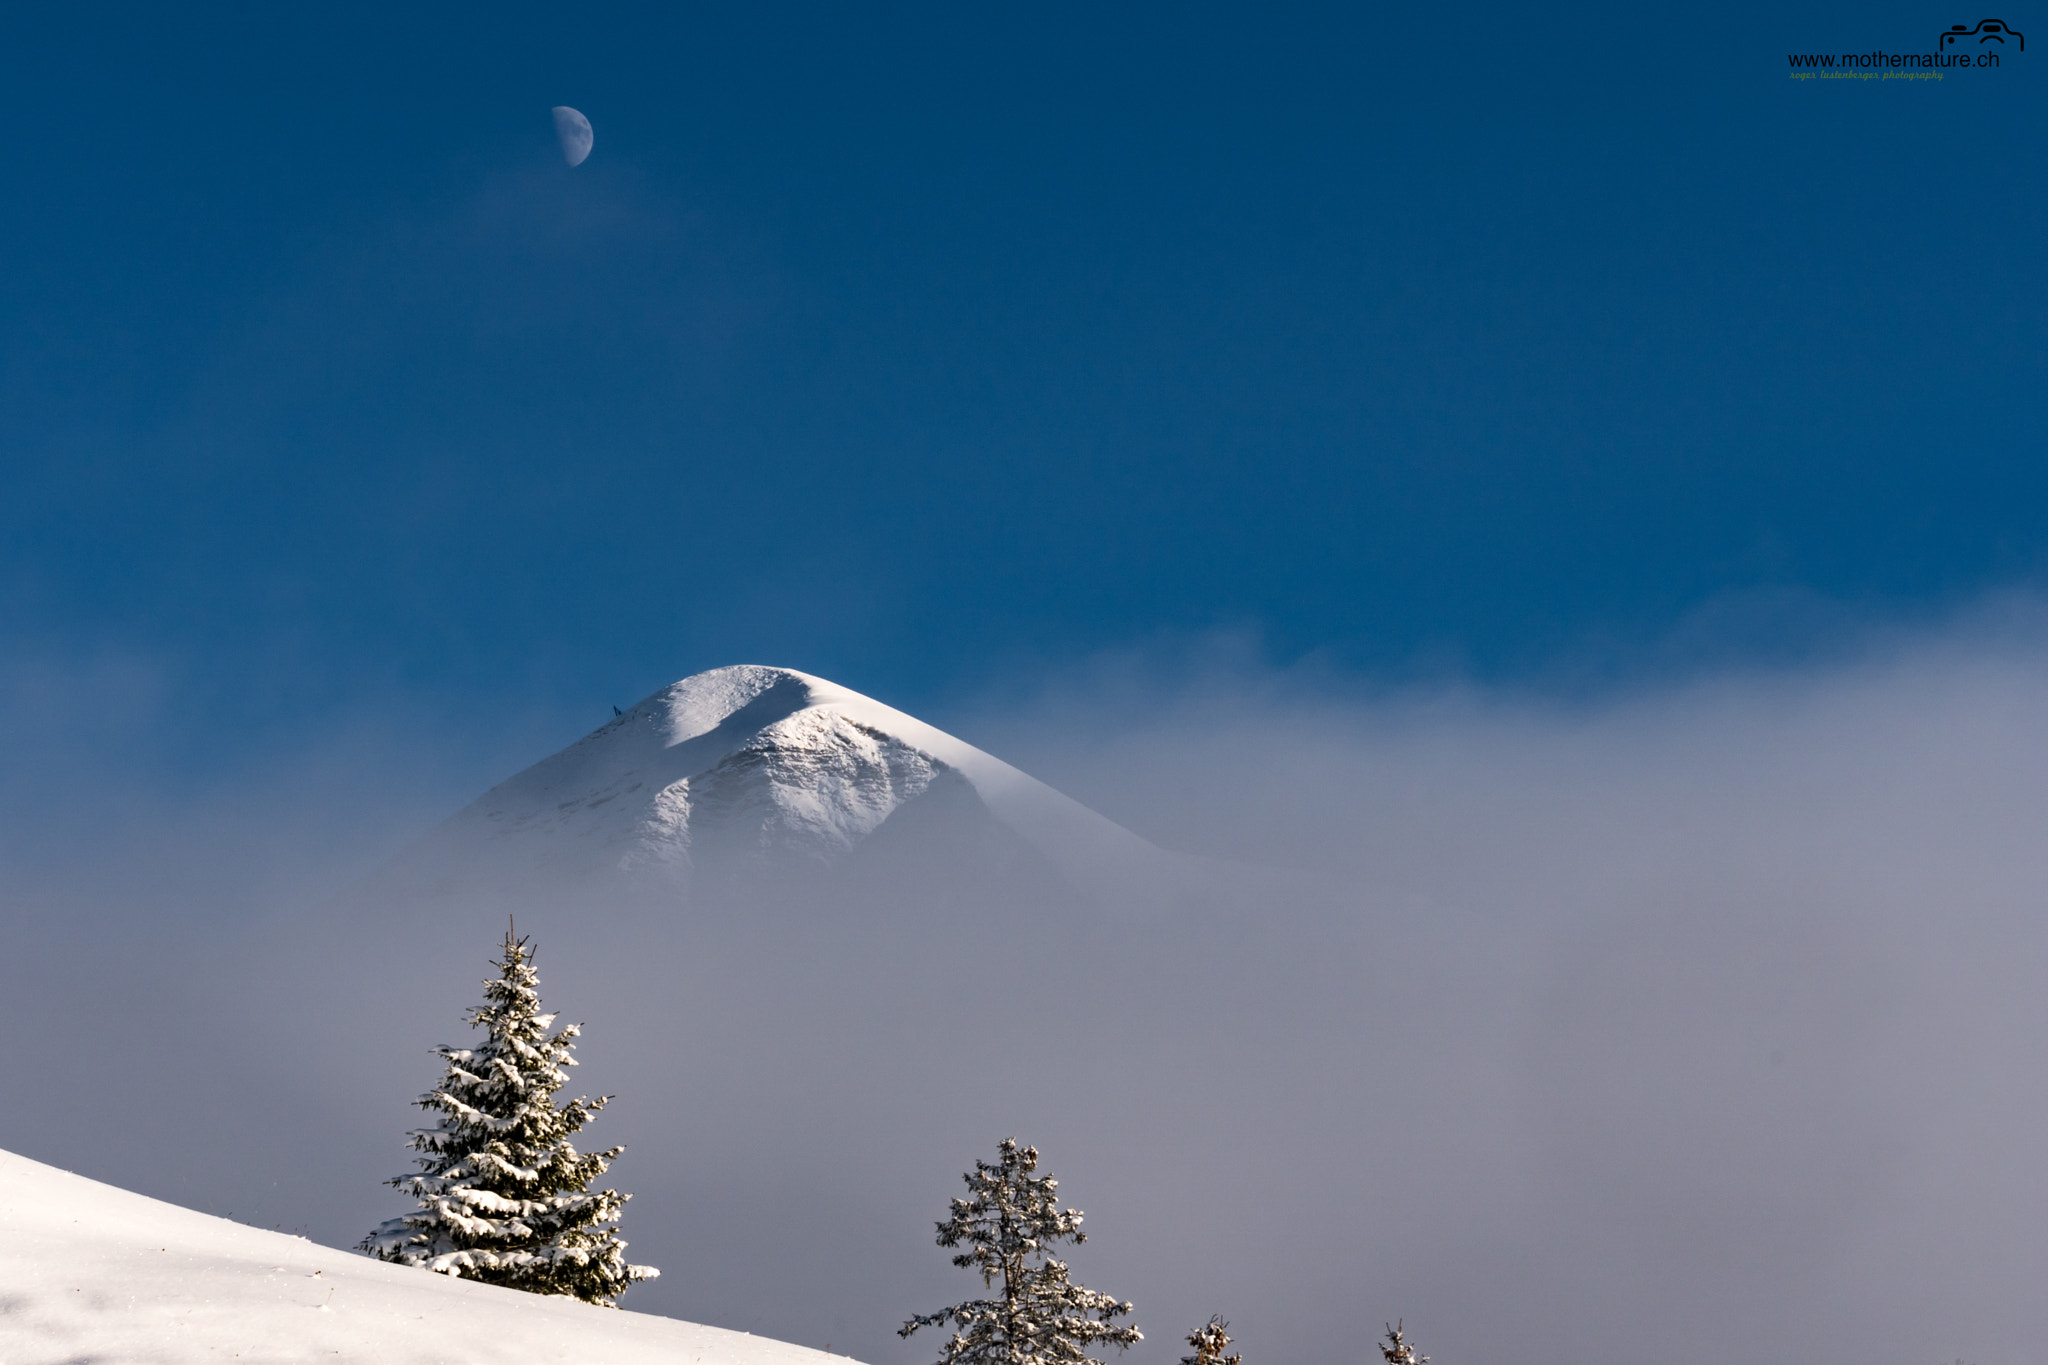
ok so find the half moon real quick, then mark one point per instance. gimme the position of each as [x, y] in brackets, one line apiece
[574, 131]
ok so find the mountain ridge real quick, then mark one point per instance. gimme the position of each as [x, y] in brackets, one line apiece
[751, 765]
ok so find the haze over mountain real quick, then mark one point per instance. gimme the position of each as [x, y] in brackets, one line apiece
[746, 771]
[1578, 1035]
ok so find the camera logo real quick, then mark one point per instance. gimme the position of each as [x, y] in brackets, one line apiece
[1992, 31]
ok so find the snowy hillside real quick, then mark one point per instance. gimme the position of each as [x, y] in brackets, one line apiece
[92, 1273]
[753, 764]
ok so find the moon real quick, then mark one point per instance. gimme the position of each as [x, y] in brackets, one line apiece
[574, 131]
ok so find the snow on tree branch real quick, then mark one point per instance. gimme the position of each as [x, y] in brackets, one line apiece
[1397, 1350]
[504, 1196]
[1210, 1342]
[1009, 1224]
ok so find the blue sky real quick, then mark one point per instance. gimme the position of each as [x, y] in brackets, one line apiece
[921, 347]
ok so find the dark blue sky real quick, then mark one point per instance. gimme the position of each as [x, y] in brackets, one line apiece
[914, 347]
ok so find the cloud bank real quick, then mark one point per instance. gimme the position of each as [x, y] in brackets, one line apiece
[1674, 1023]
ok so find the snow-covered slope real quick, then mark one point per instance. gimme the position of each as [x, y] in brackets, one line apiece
[93, 1273]
[764, 764]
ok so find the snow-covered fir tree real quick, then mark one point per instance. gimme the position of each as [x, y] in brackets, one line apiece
[1210, 1342]
[504, 1196]
[1009, 1224]
[1397, 1350]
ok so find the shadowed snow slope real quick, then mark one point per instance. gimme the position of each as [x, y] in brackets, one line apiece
[749, 766]
[92, 1273]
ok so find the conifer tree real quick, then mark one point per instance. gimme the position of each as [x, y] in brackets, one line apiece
[504, 1196]
[1009, 1223]
[1397, 1350]
[1210, 1342]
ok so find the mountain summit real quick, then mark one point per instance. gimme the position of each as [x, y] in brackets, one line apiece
[751, 766]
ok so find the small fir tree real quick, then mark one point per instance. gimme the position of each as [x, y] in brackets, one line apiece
[1210, 1342]
[1009, 1223]
[504, 1196]
[1397, 1350]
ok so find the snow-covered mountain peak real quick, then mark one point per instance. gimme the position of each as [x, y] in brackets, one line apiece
[702, 702]
[752, 763]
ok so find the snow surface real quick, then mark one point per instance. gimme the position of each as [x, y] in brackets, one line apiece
[93, 1273]
[768, 762]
